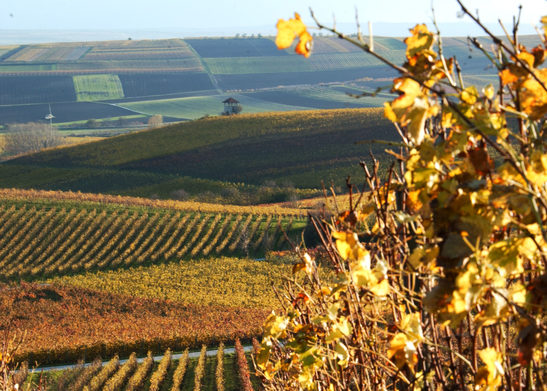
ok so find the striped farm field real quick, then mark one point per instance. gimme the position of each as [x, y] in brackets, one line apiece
[41, 238]
[319, 62]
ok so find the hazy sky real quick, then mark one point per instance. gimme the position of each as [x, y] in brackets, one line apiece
[215, 15]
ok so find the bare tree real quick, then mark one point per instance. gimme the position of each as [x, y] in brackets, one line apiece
[155, 121]
[30, 137]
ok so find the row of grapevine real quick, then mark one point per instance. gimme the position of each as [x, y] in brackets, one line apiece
[104, 374]
[178, 376]
[132, 376]
[243, 367]
[229, 235]
[40, 240]
[94, 198]
[219, 373]
[83, 377]
[158, 377]
[200, 369]
[137, 380]
[118, 380]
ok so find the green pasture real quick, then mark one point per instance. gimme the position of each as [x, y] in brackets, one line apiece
[97, 87]
[100, 120]
[200, 106]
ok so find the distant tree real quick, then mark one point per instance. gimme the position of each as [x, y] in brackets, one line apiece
[92, 124]
[155, 121]
[30, 137]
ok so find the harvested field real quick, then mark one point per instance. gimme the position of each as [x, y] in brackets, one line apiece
[36, 89]
[63, 112]
[145, 84]
[235, 47]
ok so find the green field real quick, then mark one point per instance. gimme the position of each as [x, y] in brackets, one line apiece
[199, 106]
[7, 68]
[97, 87]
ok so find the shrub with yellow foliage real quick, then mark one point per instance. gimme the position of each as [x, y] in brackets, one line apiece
[440, 271]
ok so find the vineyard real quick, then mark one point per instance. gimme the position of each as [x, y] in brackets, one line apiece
[303, 148]
[208, 369]
[41, 239]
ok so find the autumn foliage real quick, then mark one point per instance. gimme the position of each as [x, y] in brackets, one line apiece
[438, 276]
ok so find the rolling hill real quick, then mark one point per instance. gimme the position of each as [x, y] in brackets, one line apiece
[298, 149]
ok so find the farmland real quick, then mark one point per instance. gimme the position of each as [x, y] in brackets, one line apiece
[64, 112]
[189, 78]
[158, 271]
[206, 369]
[50, 238]
[103, 262]
[297, 145]
[97, 87]
[67, 323]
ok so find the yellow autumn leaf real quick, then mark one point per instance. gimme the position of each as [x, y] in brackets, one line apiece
[304, 45]
[489, 377]
[420, 40]
[412, 326]
[533, 95]
[275, 325]
[288, 30]
[342, 354]
[495, 311]
[508, 77]
[527, 58]
[469, 95]
[488, 91]
[411, 108]
[402, 351]
[349, 247]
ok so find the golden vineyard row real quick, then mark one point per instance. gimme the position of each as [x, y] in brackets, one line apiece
[172, 372]
[43, 240]
[55, 195]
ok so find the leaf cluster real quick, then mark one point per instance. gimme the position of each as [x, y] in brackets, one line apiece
[438, 273]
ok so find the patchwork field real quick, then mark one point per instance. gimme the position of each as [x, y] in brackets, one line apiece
[63, 112]
[187, 79]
